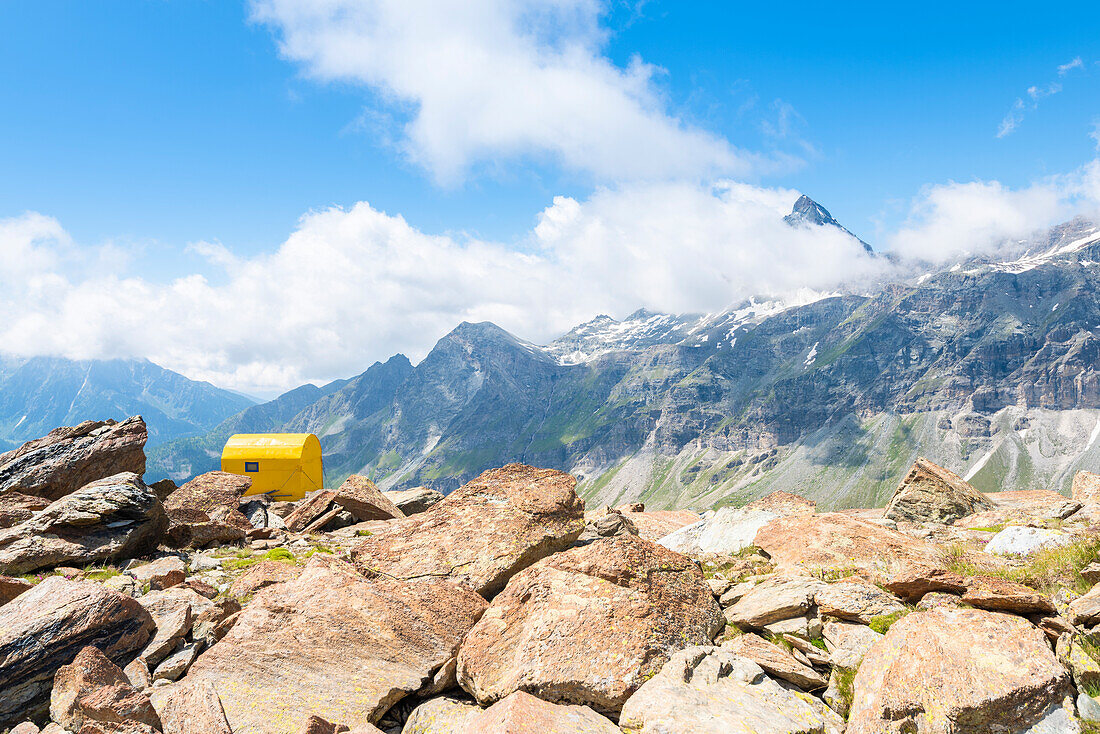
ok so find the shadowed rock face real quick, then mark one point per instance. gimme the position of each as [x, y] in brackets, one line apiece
[930, 493]
[334, 644]
[111, 518]
[589, 625]
[68, 458]
[482, 533]
[45, 628]
[964, 671]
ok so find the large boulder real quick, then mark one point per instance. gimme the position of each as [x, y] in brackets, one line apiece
[94, 689]
[356, 646]
[522, 712]
[362, 498]
[68, 458]
[959, 671]
[930, 493]
[1018, 540]
[415, 500]
[207, 510]
[710, 690]
[45, 628]
[483, 532]
[837, 541]
[589, 625]
[1086, 487]
[116, 517]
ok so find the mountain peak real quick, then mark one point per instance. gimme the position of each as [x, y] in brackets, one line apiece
[807, 212]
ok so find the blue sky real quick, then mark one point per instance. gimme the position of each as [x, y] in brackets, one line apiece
[173, 139]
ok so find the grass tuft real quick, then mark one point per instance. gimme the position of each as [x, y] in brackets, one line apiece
[883, 622]
[845, 687]
[1046, 571]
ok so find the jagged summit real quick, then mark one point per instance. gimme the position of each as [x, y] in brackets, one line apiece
[807, 212]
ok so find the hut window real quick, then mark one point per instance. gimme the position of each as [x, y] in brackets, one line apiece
[252, 466]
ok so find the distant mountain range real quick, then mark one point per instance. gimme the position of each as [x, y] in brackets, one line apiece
[38, 394]
[988, 367]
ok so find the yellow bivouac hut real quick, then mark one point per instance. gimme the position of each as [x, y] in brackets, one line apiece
[283, 466]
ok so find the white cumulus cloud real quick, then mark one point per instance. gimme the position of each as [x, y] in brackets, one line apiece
[351, 286]
[485, 80]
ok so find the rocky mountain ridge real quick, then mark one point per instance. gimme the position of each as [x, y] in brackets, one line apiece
[988, 367]
[38, 393]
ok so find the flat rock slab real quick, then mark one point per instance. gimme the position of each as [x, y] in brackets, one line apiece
[161, 573]
[334, 644]
[930, 493]
[190, 708]
[774, 600]
[68, 458]
[483, 532]
[521, 712]
[1000, 595]
[1085, 609]
[589, 625]
[11, 587]
[310, 510]
[775, 661]
[47, 626]
[837, 541]
[706, 690]
[856, 600]
[957, 671]
[115, 517]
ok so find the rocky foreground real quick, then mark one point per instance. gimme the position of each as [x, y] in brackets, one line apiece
[506, 607]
